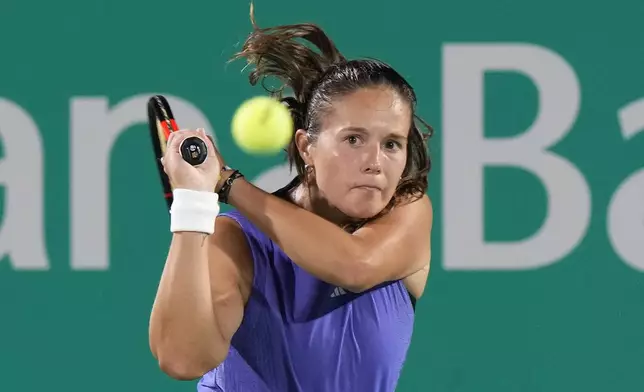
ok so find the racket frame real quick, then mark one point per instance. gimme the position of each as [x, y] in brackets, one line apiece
[161, 123]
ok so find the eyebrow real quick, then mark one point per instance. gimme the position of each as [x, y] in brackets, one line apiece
[364, 131]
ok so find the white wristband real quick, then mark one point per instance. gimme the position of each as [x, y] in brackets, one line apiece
[194, 211]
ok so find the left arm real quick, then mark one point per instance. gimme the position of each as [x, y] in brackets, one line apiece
[389, 248]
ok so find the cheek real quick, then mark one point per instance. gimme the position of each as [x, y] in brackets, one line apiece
[396, 166]
[331, 171]
[393, 167]
[328, 157]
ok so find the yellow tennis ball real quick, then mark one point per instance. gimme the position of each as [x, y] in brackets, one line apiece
[262, 125]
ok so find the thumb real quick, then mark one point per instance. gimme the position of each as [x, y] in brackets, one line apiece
[174, 142]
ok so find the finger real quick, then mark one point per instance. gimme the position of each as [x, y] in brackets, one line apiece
[167, 142]
[210, 143]
[177, 137]
[169, 151]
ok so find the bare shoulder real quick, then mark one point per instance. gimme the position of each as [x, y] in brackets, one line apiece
[421, 205]
[425, 209]
[230, 254]
[411, 212]
[417, 215]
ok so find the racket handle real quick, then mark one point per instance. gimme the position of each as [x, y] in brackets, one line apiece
[194, 150]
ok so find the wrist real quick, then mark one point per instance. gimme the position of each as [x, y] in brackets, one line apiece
[227, 178]
[235, 192]
[193, 211]
[225, 173]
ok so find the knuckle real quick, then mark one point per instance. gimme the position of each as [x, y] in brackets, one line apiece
[182, 134]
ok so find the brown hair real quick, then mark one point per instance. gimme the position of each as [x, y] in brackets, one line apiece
[315, 77]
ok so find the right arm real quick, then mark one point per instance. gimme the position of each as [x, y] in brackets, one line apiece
[200, 300]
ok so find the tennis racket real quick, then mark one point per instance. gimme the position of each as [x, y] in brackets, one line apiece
[161, 123]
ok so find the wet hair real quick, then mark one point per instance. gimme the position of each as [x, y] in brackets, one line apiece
[305, 61]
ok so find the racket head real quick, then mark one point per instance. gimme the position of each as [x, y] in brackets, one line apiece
[161, 123]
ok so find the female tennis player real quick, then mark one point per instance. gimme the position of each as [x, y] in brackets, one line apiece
[311, 288]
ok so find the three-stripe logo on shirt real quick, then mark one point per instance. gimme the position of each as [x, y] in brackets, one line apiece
[338, 291]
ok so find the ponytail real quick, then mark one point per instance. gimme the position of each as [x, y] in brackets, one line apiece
[276, 52]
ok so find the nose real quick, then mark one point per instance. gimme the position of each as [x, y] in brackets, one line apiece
[373, 169]
[372, 164]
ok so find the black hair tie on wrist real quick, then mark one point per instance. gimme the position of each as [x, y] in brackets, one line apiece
[225, 188]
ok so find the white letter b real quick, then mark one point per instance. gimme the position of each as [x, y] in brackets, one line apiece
[466, 152]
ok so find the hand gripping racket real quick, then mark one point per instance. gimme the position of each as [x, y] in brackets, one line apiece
[161, 123]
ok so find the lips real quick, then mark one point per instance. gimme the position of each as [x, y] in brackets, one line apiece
[368, 187]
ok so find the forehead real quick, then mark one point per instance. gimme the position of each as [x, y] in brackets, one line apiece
[373, 108]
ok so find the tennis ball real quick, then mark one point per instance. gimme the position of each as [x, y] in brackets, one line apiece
[262, 126]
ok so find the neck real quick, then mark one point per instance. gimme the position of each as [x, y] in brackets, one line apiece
[309, 198]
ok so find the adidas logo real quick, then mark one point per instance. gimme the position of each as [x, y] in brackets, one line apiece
[338, 291]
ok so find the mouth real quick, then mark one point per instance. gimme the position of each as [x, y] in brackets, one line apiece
[368, 188]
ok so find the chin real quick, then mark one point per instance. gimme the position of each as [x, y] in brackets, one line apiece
[362, 209]
[360, 204]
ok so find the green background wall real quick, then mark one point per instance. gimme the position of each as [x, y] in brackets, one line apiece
[565, 314]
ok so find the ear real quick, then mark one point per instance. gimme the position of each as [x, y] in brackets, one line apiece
[304, 145]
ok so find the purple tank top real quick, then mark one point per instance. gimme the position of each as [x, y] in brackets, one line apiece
[302, 334]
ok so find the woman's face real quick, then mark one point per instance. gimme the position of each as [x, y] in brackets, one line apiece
[361, 150]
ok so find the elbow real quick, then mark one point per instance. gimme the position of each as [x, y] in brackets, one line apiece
[182, 371]
[187, 367]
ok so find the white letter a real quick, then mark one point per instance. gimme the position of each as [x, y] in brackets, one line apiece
[21, 174]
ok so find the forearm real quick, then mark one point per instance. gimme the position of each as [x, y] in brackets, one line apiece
[315, 244]
[183, 328]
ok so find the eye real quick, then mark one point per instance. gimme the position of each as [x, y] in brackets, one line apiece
[353, 140]
[393, 145]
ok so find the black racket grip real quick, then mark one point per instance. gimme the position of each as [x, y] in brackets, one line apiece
[194, 150]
